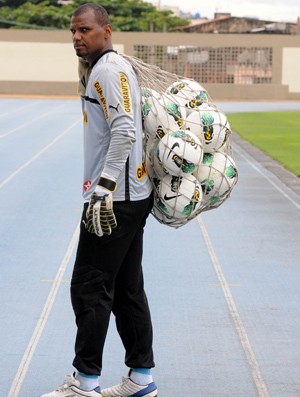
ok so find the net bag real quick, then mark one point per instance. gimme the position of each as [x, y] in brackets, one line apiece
[187, 141]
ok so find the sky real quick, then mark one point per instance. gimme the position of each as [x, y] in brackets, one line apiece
[271, 10]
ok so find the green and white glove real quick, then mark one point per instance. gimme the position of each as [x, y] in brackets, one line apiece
[100, 215]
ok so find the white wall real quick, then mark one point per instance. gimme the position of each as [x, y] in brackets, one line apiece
[28, 61]
[290, 68]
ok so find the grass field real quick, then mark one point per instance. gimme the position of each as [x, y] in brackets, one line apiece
[275, 133]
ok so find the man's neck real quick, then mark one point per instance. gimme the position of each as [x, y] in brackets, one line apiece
[96, 59]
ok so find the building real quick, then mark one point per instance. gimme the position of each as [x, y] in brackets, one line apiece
[226, 23]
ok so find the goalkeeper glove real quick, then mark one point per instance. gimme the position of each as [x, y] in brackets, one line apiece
[100, 215]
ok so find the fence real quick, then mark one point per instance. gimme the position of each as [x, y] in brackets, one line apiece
[230, 66]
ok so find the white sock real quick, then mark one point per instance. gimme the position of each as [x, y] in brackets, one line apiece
[140, 378]
[87, 382]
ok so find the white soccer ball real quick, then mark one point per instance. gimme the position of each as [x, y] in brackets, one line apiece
[149, 154]
[217, 175]
[188, 93]
[210, 125]
[179, 197]
[158, 167]
[162, 115]
[166, 220]
[153, 165]
[180, 152]
[174, 109]
[148, 93]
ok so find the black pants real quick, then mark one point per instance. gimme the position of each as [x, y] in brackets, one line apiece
[108, 277]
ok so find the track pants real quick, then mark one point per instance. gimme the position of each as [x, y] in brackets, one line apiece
[108, 277]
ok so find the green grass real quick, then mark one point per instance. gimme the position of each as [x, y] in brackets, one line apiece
[275, 133]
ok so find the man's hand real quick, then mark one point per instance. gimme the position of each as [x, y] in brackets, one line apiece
[100, 216]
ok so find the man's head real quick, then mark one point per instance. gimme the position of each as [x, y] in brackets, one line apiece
[91, 31]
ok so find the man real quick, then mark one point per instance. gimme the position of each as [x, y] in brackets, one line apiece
[107, 275]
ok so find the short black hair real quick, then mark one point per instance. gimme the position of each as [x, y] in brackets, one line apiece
[99, 11]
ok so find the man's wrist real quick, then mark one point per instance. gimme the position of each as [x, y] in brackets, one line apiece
[107, 183]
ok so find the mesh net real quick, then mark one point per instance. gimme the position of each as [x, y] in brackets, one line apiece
[187, 145]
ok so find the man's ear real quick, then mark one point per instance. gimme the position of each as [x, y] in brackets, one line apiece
[107, 31]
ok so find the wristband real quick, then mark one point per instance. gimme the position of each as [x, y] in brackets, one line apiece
[108, 184]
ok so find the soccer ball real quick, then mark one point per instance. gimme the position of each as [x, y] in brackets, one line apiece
[158, 167]
[166, 220]
[180, 152]
[179, 197]
[210, 125]
[153, 165]
[217, 175]
[149, 154]
[188, 93]
[147, 93]
[174, 110]
[162, 115]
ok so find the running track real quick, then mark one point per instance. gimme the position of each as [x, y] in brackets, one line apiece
[224, 290]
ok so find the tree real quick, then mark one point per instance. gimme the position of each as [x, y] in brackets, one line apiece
[18, 3]
[42, 15]
[125, 15]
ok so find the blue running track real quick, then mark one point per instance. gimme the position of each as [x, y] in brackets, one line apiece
[224, 290]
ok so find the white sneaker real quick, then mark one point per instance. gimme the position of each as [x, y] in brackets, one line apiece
[71, 388]
[130, 389]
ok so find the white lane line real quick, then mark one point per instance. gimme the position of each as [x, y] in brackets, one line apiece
[27, 357]
[240, 152]
[255, 370]
[38, 154]
[31, 121]
[15, 110]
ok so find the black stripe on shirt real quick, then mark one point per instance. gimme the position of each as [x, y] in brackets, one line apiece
[127, 192]
[92, 100]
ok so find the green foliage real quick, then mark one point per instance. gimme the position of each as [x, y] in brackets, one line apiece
[47, 16]
[125, 15]
[18, 3]
[275, 133]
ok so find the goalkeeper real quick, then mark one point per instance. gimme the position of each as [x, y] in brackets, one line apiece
[107, 275]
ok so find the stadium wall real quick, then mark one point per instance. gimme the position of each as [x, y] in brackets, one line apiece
[230, 66]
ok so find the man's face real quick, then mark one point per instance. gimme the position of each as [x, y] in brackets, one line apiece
[89, 38]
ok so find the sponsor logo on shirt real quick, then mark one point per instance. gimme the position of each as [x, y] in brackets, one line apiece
[87, 185]
[85, 119]
[125, 93]
[99, 90]
[141, 171]
[116, 108]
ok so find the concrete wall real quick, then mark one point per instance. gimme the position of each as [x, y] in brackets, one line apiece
[290, 68]
[44, 62]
